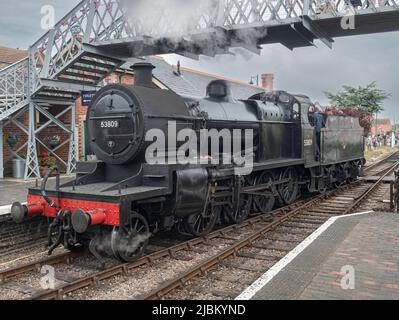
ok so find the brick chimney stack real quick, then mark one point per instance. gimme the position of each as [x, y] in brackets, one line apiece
[268, 82]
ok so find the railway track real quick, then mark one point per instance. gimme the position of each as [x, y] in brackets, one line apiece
[296, 221]
[17, 239]
[18, 274]
[375, 167]
[184, 285]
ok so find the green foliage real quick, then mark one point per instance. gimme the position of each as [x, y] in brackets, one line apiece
[48, 161]
[368, 98]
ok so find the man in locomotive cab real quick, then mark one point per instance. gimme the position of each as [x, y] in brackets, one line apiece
[319, 123]
[311, 115]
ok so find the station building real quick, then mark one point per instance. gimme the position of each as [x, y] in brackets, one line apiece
[381, 126]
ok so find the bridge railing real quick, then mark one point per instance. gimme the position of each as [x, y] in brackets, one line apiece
[55, 49]
[13, 86]
[238, 12]
[319, 8]
[107, 20]
[90, 20]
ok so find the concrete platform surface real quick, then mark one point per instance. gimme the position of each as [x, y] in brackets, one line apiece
[16, 190]
[352, 258]
[13, 191]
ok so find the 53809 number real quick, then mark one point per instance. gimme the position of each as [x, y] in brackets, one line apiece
[109, 124]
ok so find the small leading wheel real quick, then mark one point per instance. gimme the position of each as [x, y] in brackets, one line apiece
[200, 225]
[289, 189]
[128, 243]
[265, 202]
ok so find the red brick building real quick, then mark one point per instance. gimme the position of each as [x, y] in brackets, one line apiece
[381, 126]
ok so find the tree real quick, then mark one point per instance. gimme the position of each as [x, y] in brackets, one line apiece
[368, 99]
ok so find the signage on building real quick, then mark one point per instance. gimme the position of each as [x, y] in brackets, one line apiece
[87, 96]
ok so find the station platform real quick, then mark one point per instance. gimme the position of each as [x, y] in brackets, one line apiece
[12, 190]
[349, 258]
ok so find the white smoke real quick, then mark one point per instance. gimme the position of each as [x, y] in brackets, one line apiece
[169, 18]
[186, 26]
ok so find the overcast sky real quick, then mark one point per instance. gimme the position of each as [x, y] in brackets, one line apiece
[312, 71]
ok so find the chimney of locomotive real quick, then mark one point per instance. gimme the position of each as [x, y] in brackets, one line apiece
[220, 90]
[143, 74]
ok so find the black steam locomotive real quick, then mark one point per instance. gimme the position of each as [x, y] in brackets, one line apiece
[118, 202]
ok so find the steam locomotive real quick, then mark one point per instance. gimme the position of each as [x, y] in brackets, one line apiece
[116, 203]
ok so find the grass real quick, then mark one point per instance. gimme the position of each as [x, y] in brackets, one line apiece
[372, 155]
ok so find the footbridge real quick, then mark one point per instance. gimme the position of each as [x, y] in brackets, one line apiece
[97, 36]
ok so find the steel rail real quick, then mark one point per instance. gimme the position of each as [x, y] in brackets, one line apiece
[147, 260]
[125, 268]
[34, 266]
[385, 158]
[360, 199]
[202, 268]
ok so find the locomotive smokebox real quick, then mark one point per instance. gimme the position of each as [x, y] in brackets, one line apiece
[143, 74]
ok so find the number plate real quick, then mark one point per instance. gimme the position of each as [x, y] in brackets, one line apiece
[109, 124]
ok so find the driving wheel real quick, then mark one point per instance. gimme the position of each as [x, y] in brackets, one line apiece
[245, 202]
[265, 200]
[200, 225]
[289, 189]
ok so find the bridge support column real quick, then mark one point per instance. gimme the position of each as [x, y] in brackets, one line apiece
[1, 152]
[32, 161]
[73, 145]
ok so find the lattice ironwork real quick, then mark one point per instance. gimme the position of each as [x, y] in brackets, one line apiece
[73, 155]
[13, 88]
[32, 169]
[246, 12]
[106, 20]
[321, 9]
[1, 151]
